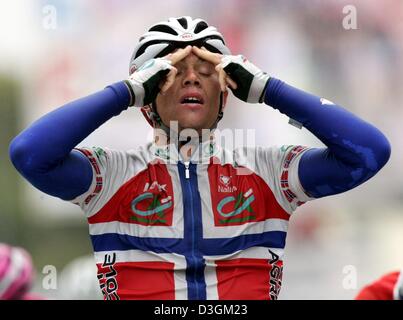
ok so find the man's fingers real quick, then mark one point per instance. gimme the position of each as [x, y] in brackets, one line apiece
[221, 79]
[231, 83]
[204, 54]
[179, 54]
[224, 79]
[169, 80]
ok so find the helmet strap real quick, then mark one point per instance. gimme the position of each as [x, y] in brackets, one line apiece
[156, 119]
[220, 112]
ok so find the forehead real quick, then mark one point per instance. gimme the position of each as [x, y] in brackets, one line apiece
[192, 59]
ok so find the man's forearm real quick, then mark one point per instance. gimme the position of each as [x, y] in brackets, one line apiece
[52, 137]
[356, 149]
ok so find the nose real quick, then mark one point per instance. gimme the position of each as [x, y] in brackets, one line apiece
[190, 78]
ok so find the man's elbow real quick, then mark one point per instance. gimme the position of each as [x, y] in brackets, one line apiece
[374, 156]
[21, 155]
[382, 151]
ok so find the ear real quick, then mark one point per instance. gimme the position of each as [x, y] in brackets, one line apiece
[225, 97]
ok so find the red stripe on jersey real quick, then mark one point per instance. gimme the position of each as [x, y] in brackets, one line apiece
[146, 199]
[262, 279]
[98, 177]
[137, 281]
[284, 182]
[284, 179]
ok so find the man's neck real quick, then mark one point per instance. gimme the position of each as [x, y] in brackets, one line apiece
[186, 145]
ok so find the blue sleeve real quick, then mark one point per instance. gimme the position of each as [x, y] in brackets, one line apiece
[355, 152]
[43, 153]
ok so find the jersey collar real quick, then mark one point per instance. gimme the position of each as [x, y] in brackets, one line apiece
[197, 152]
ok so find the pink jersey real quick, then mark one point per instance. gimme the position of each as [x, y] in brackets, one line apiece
[209, 229]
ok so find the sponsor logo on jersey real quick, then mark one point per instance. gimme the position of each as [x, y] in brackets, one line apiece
[154, 185]
[151, 200]
[225, 186]
[228, 189]
[240, 204]
[240, 199]
[276, 274]
[225, 180]
[154, 204]
[107, 277]
[156, 207]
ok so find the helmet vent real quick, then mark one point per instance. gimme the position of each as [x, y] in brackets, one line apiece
[163, 28]
[200, 27]
[183, 23]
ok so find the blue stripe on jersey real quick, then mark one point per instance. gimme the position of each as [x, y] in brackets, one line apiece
[219, 246]
[117, 242]
[195, 278]
[271, 239]
[193, 231]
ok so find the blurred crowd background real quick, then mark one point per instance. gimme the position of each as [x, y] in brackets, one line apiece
[52, 52]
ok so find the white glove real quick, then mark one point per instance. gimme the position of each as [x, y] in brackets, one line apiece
[251, 81]
[144, 82]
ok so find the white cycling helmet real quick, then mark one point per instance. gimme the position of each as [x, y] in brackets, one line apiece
[166, 36]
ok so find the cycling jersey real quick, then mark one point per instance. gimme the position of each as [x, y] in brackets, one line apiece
[162, 228]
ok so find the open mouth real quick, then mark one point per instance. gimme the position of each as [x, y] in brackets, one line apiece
[192, 99]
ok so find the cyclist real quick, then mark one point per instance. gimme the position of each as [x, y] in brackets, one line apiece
[183, 217]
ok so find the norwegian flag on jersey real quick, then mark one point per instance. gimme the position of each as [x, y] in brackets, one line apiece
[208, 233]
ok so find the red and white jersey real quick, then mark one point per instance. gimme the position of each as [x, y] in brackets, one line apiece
[214, 228]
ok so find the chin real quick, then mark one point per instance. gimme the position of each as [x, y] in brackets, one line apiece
[190, 125]
[191, 121]
[194, 122]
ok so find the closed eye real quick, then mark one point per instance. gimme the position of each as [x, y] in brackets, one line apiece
[206, 74]
[206, 71]
[203, 69]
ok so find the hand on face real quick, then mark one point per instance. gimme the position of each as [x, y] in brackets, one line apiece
[247, 82]
[215, 58]
[204, 54]
[191, 76]
[174, 58]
